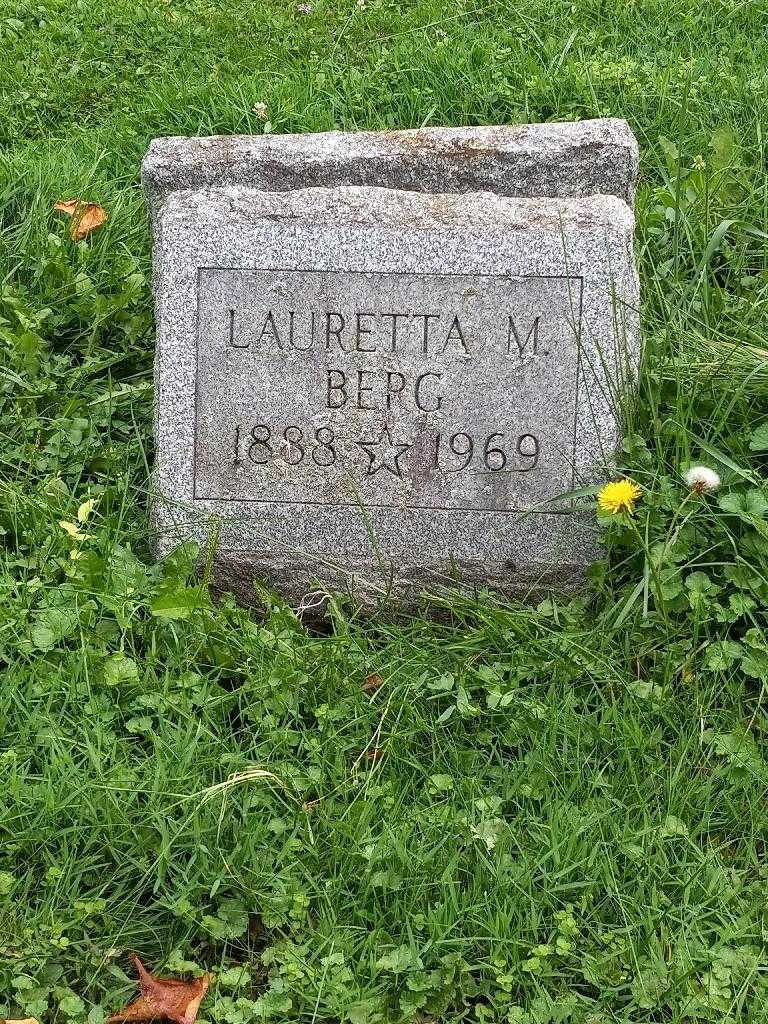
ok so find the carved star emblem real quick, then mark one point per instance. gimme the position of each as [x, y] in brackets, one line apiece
[384, 454]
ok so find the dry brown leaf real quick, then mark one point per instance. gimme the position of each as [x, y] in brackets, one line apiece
[21, 1020]
[163, 998]
[374, 756]
[86, 217]
[372, 683]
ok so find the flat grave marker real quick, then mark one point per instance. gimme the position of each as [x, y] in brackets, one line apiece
[380, 390]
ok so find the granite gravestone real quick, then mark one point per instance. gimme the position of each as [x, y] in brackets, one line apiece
[383, 390]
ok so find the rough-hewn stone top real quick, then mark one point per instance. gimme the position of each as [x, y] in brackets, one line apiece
[568, 159]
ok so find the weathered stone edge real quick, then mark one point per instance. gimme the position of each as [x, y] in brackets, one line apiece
[558, 159]
[482, 211]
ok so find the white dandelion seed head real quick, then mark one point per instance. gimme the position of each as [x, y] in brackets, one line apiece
[702, 478]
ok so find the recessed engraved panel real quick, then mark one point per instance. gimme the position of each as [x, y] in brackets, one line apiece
[386, 390]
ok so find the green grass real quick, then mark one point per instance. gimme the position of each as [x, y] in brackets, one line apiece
[566, 821]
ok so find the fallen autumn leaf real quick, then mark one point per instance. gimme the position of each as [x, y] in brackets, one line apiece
[372, 683]
[163, 998]
[373, 756]
[86, 217]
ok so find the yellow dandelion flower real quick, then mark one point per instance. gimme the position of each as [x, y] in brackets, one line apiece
[619, 496]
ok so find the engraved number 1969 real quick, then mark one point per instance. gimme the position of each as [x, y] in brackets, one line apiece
[462, 445]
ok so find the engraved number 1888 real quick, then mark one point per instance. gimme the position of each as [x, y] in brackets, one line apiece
[292, 447]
